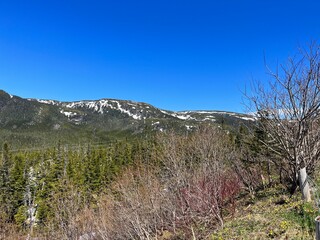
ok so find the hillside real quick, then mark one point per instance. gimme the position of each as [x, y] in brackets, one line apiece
[38, 122]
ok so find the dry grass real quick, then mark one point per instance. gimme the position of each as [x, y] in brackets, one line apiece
[272, 215]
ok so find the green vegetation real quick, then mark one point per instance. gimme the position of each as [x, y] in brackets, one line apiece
[38, 124]
[209, 184]
[273, 214]
[32, 181]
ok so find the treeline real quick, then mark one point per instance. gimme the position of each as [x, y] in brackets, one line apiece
[171, 185]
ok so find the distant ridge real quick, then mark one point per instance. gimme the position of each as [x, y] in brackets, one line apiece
[38, 121]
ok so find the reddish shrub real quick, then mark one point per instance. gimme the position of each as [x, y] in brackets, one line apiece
[205, 197]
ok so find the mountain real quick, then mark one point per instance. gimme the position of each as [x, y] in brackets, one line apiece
[37, 122]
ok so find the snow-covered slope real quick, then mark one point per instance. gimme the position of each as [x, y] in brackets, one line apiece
[140, 111]
[42, 119]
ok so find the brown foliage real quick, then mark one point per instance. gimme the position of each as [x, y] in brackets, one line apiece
[193, 188]
[187, 193]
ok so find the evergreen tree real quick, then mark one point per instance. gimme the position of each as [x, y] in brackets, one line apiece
[5, 188]
[18, 186]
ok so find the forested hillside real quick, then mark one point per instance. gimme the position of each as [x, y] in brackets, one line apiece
[36, 123]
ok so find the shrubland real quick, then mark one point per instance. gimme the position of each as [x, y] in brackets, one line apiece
[202, 184]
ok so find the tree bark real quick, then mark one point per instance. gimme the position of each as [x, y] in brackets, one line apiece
[317, 222]
[304, 185]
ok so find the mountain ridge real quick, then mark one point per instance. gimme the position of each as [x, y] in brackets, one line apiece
[97, 120]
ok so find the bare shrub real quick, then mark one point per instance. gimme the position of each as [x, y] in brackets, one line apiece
[9, 231]
[137, 209]
[191, 188]
[206, 196]
[196, 169]
[70, 215]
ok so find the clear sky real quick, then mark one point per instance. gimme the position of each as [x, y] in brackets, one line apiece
[174, 54]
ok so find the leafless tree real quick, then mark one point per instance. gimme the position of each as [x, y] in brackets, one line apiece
[288, 111]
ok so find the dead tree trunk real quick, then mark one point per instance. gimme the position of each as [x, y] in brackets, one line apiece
[304, 185]
[317, 222]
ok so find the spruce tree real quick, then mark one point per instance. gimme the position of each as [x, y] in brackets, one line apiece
[5, 188]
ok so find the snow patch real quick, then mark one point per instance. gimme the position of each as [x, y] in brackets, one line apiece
[68, 114]
[101, 105]
[180, 115]
[189, 127]
[210, 118]
[134, 116]
[50, 102]
[247, 118]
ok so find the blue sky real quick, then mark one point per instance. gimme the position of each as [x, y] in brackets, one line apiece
[177, 55]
